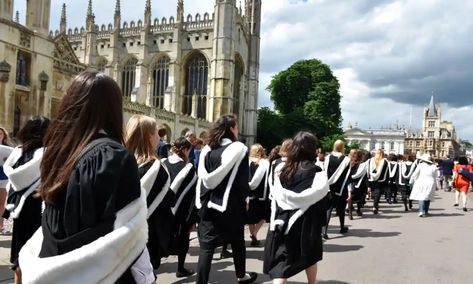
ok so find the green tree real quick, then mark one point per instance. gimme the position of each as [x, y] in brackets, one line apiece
[306, 97]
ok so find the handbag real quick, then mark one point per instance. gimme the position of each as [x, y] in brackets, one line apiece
[466, 173]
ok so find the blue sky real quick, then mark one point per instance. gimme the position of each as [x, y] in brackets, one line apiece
[390, 56]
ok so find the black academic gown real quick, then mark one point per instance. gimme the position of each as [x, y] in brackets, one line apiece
[258, 206]
[185, 210]
[359, 185]
[287, 255]
[336, 188]
[218, 228]
[161, 220]
[104, 181]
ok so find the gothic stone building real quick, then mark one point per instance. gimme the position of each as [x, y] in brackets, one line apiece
[183, 70]
[437, 137]
[34, 68]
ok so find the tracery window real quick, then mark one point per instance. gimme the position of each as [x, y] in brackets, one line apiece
[129, 77]
[238, 74]
[22, 69]
[197, 73]
[160, 81]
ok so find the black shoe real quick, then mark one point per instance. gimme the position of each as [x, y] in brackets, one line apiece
[375, 211]
[344, 230]
[464, 209]
[325, 236]
[359, 213]
[185, 273]
[252, 279]
[395, 201]
[456, 204]
[225, 254]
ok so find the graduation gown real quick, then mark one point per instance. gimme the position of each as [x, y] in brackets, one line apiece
[222, 190]
[338, 168]
[294, 240]
[23, 172]
[96, 229]
[160, 199]
[358, 181]
[183, 182]
[258, 182]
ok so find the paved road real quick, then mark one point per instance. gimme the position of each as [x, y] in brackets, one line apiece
[392, 247]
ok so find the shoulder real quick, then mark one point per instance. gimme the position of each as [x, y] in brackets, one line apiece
[108, 154]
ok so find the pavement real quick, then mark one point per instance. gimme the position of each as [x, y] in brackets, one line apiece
[392, 247]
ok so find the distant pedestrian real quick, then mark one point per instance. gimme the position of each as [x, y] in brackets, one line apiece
[199, 144]
[294, 242]
[424, 179]
[406, 169]
[460, 181]
[163, 145]
[94, 221]
[357, 181]
[192, 138]
[447, 171]
[222, 190]
[23, 171]
[378, 177]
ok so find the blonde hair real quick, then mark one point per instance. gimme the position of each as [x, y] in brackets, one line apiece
[338, 146]
[257, 152]
[285, 147]
[378, 157]
[139, 130]
[6, 137]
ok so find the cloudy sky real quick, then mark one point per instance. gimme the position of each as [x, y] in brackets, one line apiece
[389, 56]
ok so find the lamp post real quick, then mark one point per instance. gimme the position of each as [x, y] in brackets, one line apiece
[43, 79]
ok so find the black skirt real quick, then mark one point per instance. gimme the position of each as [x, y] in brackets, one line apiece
[258, 210]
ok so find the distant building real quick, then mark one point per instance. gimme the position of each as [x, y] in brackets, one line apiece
[391, 140]
[438, 138]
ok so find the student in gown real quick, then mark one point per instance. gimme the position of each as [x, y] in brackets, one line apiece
[23, 171]
[294, 241]
[277, 160]
[378, 177]
[258, 204]
[357, 182]
[5, 151]
[94, 222]
[337, 166]
[183, 182]
[406, 169]
[393, 177]
[142, 139]
[221, 196]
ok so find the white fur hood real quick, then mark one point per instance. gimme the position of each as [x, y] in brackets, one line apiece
[25, 175]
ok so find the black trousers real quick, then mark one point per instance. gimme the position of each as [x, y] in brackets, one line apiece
[206, 255]
[183, 242]
[379, 189]
[339, 203]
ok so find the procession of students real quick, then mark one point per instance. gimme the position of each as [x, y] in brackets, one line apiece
[93, 203]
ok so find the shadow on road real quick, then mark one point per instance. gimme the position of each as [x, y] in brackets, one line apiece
[5, 244]
[445, 214]
[340, 248]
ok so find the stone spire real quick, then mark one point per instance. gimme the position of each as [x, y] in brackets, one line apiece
[63, 24]
[117, 16]
[180, 11]
[17, 16]
[90, 21]
[432, 111]
[148, 13]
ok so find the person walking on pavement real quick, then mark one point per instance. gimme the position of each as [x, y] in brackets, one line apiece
[447, 170]
[460, 180]
[221, 196]
[424, 179]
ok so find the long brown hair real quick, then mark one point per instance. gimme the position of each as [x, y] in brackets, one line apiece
[93, 102]
[356, 157]
[221, 129]
[139, 130]
[179, 146]
[303, 148]
[6, 138]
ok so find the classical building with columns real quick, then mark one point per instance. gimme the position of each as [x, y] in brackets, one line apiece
[389, 139]
[183, 70]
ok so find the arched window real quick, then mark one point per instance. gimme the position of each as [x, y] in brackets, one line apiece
[23, 69]
[160, 81]
[238, 74]
[196, 77]
[129, 76]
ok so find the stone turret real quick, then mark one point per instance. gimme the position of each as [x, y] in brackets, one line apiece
[6, 9]
[37, 15]
[89, 40]
[223, 58]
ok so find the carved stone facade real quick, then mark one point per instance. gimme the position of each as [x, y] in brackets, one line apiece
[184, 70]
